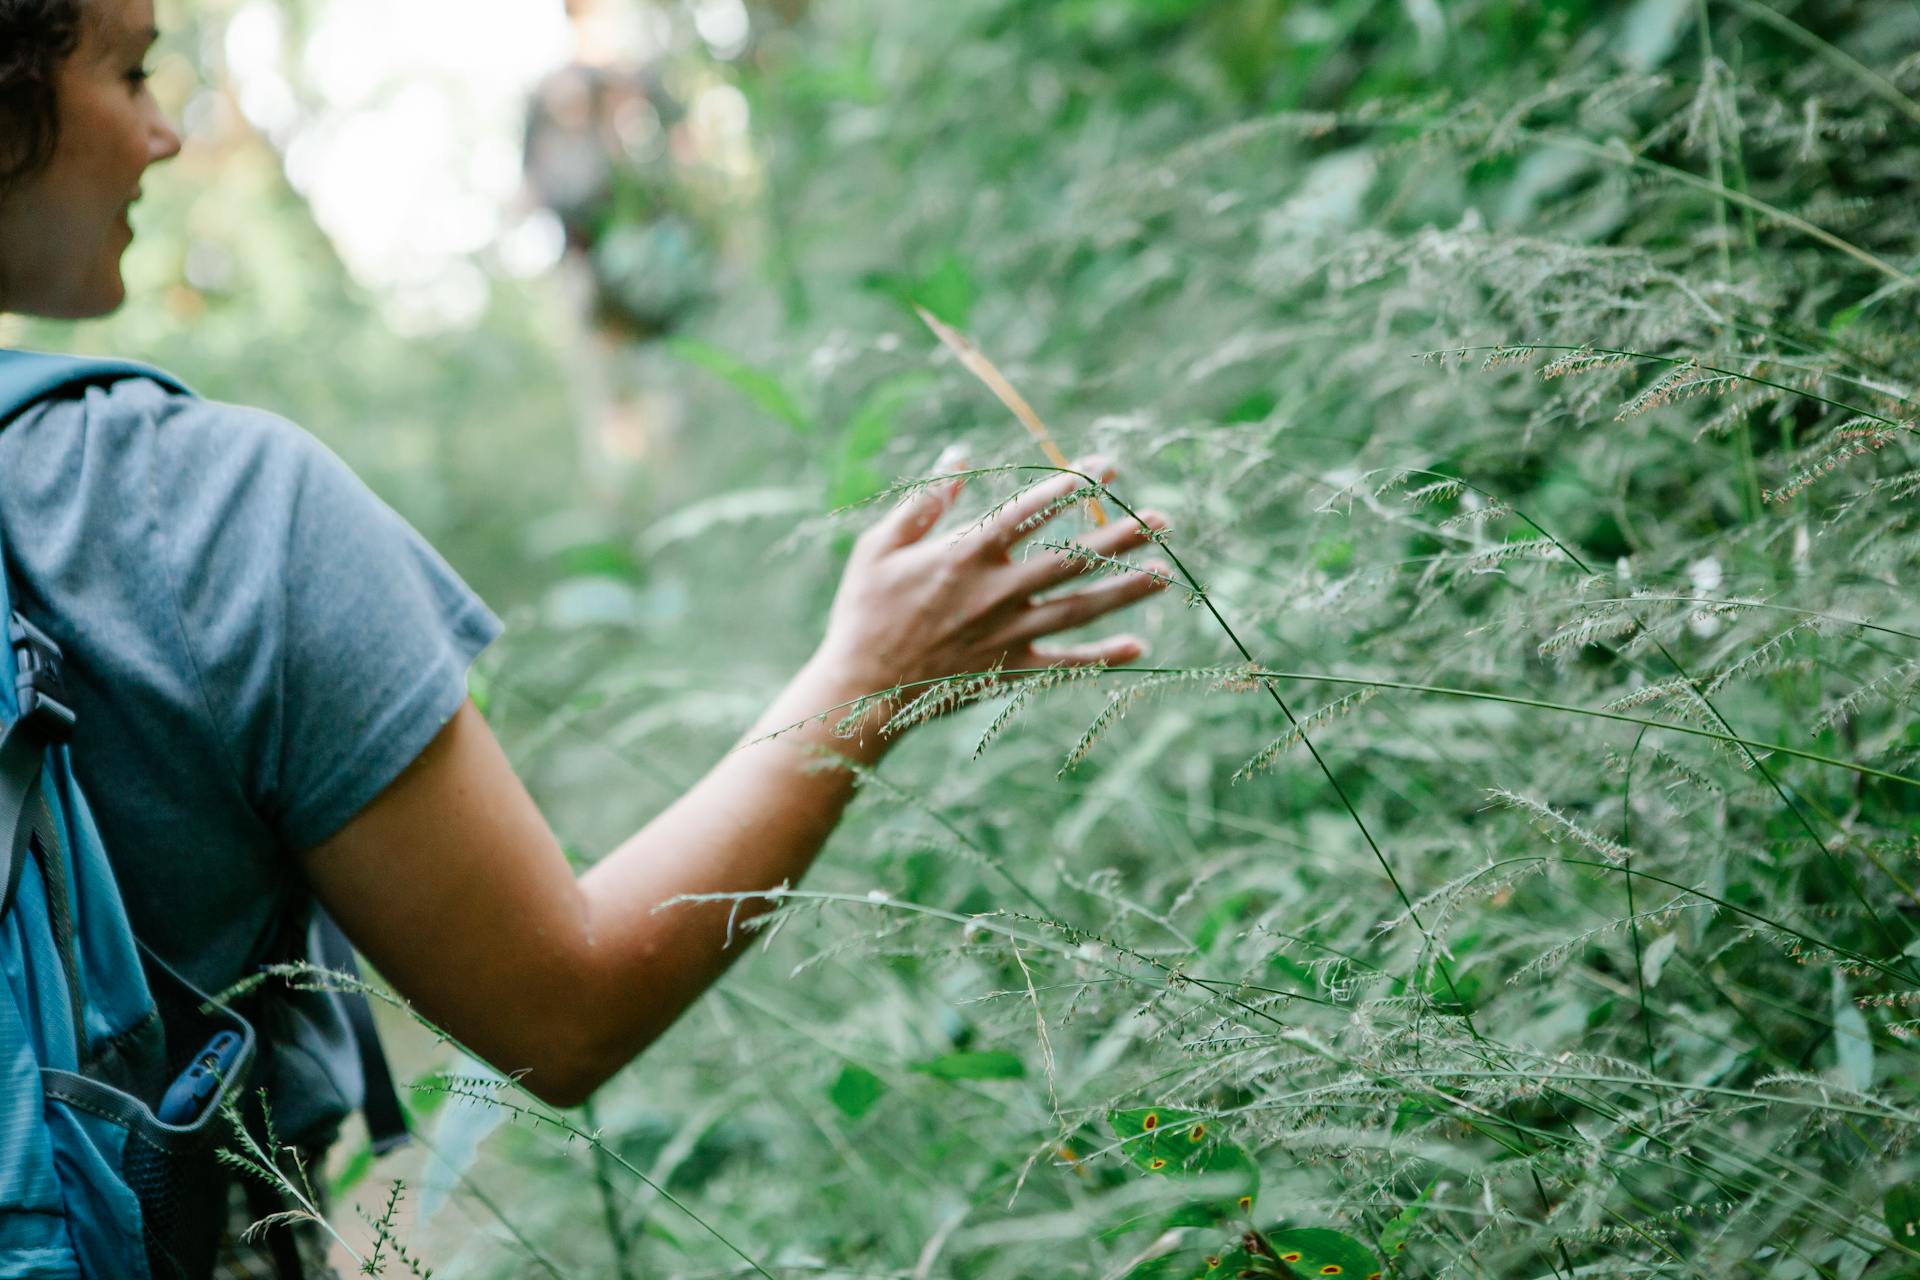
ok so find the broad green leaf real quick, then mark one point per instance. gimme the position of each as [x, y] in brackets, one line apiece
[1218, 1260]
[948, 291]
[1177, 1143]
[1322, 1251]
[974, 1064]
[757, 385]
[855, 1090]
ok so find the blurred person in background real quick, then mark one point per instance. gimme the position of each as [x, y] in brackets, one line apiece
[269, 672]
[605, 149]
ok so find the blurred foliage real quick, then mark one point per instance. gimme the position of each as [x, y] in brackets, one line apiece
[233, 287]
[1583, 938]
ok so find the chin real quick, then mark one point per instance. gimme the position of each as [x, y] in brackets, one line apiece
[101, 299]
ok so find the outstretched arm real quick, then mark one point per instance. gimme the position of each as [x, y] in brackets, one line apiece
[452, 883]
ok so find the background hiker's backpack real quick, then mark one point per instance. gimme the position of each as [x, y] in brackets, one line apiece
[94, 1030]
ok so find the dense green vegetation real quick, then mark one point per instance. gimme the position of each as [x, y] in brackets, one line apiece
[1505, 865]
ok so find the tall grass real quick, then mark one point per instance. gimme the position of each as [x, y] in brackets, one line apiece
[1506, 860]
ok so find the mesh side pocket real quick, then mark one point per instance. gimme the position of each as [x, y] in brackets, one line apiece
[172, 1170]
[183, 1197]
[181, 1184]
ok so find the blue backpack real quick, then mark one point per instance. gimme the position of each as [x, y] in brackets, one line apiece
[114, 1071]
[93, 1030]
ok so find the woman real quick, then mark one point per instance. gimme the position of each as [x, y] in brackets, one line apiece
[269, 668]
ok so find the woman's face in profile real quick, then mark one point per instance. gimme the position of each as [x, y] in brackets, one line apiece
[63, 229]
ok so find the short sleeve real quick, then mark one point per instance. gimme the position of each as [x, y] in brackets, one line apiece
[329, 641]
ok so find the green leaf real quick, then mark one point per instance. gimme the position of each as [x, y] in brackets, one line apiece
[855, 1090]
[757, 385]
[853, 482]
[874, 423]
[1213, 1260]
[1333, 555]
[1287, 965]
[1412, 1112]
[1902, 1209]
[480, 689]
[1228, 910]
[1285, 1254]
[948, 291]
[606, 559]
[351, 1173]
[1253, 407]
[1393, 1238]
[974, 1064]
[1321, 1251]
[866, 433]
[1176, 1143]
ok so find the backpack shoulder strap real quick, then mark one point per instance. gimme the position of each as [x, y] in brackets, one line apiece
[28, 377]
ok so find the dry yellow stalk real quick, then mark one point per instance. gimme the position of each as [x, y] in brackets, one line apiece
[982, 368]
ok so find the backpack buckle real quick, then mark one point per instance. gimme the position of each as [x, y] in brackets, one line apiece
[42, 694]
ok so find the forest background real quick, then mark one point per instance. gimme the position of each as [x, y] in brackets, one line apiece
[1505, 866]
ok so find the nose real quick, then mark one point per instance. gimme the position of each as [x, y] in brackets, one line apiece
[164, 142]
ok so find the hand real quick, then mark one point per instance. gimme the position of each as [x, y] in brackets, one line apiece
[914, 607]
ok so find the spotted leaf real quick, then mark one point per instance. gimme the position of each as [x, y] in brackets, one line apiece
[1213, 1257]
[1307, 1252]
[1186, 1144]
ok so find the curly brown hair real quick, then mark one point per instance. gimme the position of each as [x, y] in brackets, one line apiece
[35, 37]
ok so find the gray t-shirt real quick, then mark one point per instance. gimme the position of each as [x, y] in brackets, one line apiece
[255, 647]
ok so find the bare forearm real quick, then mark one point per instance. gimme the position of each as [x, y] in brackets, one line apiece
[756, 821]
[454, 885]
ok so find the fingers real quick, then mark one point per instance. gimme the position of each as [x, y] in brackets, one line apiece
[1113, 651]
[1046, 567]
[1063, 613]
[1033, 506]
[920, 510]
